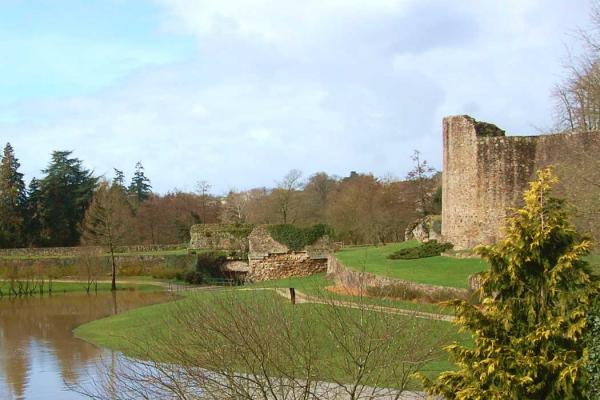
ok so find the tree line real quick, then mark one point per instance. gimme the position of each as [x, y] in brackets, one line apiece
[51, 211]
[361, 208]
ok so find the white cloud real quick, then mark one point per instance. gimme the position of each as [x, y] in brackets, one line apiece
[318, 85]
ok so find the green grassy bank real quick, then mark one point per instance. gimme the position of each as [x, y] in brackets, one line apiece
[158, 332]
[316, 285]
[441, 271]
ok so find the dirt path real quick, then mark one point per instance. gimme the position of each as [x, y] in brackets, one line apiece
[301, 298]
[304, 298]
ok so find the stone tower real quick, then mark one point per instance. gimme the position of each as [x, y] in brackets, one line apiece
[486, 172]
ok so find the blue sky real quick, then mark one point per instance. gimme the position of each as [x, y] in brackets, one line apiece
[238, 92]
[71, 47]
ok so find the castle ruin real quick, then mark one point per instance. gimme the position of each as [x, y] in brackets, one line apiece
[486, 172]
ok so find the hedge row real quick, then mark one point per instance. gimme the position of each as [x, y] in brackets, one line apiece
[428, 249]
[296, 238]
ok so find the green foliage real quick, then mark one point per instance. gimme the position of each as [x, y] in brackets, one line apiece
[296, 238]
[65, 191]
[428, 249]
[33, 222]
[140, 185]
[13, 200]
[593, 344]
[529, 329]
[239, 231]
[207, 265]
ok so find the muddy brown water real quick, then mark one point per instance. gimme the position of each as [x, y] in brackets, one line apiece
[39, 356]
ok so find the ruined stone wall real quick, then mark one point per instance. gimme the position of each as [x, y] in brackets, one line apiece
[362, 281]
[280, 266]
[85, 250]
[269, 259]
[486, 172]
[220, 237]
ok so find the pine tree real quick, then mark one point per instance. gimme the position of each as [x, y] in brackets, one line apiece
[119, 179]
[13, 200]
[528, 331]
[33, 226]
[66, 191]
[140, 186]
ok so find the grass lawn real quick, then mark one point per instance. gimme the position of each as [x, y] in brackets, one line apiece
[315, 285]
[441, 271]
[137, 332]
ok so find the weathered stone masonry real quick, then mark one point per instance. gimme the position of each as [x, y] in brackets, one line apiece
[269, 259]
[485, 173]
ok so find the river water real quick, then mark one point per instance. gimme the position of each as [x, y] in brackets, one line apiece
[39, 356]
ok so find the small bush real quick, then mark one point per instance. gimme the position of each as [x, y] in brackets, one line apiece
[429, 249]
[132, 270]
[194, 277]
[168, 273]
[208, 265]
[296, 238]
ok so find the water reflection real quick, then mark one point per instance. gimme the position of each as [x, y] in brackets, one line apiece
[38, 352]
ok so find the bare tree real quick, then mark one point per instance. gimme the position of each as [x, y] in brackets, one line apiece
[107, 220]
[420, 176]
[235, 208]
[577, 100]
[233, 345]
[90, 268]
[284, 193]
[203, 189]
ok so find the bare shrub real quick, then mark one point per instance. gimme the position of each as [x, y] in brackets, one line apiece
[90, 268]
[249, 345]
[407, 291]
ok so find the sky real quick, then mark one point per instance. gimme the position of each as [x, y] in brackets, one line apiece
[239, 92]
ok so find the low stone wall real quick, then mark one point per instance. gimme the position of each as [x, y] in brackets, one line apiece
[142, 263]
[84, 250]
[353, 279]
[280, 266]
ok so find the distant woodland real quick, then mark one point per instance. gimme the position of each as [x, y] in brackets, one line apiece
[67, 200]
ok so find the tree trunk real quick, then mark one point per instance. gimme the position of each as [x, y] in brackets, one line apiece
[113, 285]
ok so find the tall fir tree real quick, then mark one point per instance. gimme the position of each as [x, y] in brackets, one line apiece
[140, 186]
[119, 179]
[33, 225]
[66, 192]
[13, 200]
[529, 329]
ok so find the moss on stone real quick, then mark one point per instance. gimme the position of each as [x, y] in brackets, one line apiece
[295, 238]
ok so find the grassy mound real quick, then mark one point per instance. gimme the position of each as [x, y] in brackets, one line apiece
[439, 270]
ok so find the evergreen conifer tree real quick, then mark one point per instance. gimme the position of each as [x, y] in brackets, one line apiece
[33, 226]
[66, 192]
[119, 179]
[529, 329]
[13, 200]
[140, 186]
